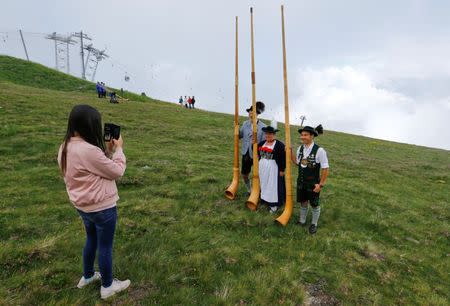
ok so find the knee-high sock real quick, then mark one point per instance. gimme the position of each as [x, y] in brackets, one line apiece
[248, 184]
[315, 215]
[303, 214]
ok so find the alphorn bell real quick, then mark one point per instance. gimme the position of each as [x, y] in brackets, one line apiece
[230, 192]
[283, 219]
[252, 202]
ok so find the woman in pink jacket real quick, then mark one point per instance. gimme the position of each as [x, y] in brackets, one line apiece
[90, 170]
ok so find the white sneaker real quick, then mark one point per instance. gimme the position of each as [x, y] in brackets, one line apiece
[273, 209]
[86, 281]
[115, 287]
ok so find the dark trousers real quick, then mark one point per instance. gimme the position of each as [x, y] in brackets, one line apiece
[247, 163]
[100, 227]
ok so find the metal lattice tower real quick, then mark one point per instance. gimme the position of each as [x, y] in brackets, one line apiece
[302, 118]
[94, 56]
[82, 36]
[62, 50]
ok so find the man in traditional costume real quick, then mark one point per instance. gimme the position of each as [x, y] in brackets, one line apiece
[313, 167]
[246, 134]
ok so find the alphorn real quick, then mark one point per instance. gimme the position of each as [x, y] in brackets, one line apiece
[230, 192]
[252, 202]
[283, 219]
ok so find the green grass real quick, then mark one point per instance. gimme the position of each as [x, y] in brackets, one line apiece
[383, 235]
[38, 76]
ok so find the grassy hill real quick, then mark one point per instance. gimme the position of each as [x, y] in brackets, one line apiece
[38, 76]
[383, 238]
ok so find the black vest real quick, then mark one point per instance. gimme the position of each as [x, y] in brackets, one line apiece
[310, 175]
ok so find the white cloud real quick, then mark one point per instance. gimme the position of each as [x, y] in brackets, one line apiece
[408, 57]
[347, 99]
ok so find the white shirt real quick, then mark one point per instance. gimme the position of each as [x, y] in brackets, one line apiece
[321, 156]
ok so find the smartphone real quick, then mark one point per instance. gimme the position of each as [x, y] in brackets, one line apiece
[111, 131]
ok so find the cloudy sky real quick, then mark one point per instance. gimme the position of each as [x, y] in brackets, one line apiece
[374, 68]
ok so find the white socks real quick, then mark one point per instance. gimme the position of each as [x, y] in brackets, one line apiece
[303, 214]
[315, 215]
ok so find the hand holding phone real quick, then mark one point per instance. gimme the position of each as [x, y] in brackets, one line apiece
[118, 143]
[111, 131]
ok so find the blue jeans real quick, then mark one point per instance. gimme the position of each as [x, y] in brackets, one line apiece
[100, 227]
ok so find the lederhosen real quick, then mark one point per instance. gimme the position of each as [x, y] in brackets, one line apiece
[247, 159]
[247, 163]
[308, 177]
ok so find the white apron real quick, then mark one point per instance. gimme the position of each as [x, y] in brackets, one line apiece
[268, 175]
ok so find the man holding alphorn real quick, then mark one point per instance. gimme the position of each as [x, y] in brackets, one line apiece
[246, 134]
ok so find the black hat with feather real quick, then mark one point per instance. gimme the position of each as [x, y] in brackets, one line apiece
[260, 107]
[314, 131]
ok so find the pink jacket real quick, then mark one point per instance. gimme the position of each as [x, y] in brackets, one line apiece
[90, 175]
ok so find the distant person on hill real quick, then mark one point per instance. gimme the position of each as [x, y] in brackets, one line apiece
[193, 102]
[246, 134]
[90, 168]
[181, 101]
[272, 163]
[190, 102]
[113, 97]
[313, 168]
[98, 87]
[186, 102]
[103, 89]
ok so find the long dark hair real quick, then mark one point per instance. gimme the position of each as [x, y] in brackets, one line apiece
[86, 121]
